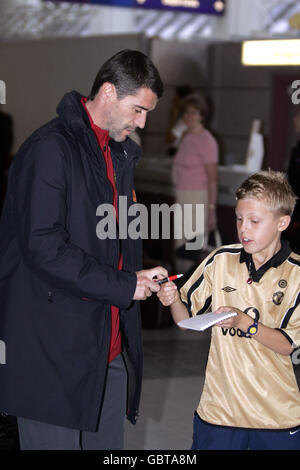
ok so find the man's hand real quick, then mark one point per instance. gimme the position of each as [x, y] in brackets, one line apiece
[145, 284]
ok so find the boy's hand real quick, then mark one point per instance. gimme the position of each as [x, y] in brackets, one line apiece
[168, 293]
[241, 320]
[269, 337]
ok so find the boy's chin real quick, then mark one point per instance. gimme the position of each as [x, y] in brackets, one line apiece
[248, 247]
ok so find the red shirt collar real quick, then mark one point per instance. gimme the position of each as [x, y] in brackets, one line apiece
[102, 134]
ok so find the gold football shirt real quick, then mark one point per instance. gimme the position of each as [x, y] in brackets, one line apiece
[247, 384]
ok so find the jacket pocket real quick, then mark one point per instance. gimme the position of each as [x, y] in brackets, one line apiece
[51, 296]
[66, 304]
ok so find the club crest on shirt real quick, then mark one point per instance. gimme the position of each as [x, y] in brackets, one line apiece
[228, 289]
[282, 283]
[277, 297]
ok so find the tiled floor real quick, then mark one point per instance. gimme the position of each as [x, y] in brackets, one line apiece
[173, 379]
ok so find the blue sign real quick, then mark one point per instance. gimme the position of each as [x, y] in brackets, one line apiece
[211, 7]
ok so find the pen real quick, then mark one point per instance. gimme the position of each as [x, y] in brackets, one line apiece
[170, 278]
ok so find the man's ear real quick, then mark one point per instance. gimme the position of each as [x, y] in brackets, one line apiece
[109, 91]
[284, 222]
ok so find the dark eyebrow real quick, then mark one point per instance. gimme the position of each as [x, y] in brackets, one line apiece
[142, 107]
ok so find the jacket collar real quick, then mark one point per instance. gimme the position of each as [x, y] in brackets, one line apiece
[74, 116]
[72, 113]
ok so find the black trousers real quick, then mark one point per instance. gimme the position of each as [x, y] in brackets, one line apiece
[35, 435]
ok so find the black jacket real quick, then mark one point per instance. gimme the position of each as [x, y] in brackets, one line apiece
[58, 279]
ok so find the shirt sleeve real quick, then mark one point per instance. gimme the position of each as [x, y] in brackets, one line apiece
[44, 240]
[196, 292]
[290, 325]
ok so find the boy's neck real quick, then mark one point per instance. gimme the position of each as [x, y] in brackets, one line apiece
[259, 259]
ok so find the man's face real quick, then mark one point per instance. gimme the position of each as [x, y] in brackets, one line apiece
[124, 115]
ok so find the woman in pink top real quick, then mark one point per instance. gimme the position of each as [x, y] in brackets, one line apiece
[195, 166]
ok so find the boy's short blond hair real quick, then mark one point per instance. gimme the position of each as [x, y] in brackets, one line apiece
[273, 187]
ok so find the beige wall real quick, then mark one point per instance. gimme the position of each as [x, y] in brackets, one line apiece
[179, 63]
[239, 94]
[38, 73]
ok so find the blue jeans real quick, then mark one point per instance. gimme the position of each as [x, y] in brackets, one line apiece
[210, 437]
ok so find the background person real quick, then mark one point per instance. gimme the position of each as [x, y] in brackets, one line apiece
[177, 126]
[195, 165]
[69, 300]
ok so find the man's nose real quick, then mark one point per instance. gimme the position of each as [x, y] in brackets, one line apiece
[141, 120]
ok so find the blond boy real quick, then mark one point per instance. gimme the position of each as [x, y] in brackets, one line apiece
[250, 397]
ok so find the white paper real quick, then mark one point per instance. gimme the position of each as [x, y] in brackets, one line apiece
[204, 321]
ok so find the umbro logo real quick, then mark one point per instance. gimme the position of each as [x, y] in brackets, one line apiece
[228, 289]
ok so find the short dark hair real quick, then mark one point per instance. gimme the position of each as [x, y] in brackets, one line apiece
[128, 71]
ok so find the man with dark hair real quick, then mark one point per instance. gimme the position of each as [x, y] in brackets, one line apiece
[128, 71]
[69, 294]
